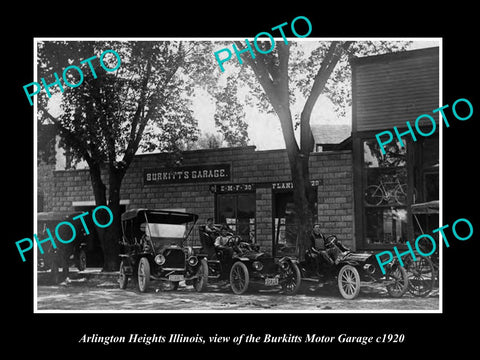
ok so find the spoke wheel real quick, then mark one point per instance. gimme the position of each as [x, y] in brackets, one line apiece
[122, 277]
[421, 277]
[401, 195]
[293, 278]
[349, 282]
[374, 195]
[239, 278]
[143, 274]
[200, 283]
[400, 281]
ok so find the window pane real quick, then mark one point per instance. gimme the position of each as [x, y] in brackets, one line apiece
[386, 225]
[395, 155]
[238, 212]
[386, 186]
[226, 208]
[246, 216]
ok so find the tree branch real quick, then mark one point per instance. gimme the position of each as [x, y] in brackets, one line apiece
[69, 136]
[328, 65]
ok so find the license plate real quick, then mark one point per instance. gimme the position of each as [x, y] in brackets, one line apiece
[271, 282]
[176, 278]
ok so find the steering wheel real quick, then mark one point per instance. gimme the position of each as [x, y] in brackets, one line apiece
[330, 240]
[245, 245]
[233, 241]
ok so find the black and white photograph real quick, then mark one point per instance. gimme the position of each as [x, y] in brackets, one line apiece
[234, 188]
[198, 180]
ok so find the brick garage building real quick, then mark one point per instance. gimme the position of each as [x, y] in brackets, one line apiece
[252, 191]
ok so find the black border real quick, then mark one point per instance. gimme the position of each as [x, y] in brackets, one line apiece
[428, 334]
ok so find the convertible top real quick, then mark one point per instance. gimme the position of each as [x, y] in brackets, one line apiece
[430, 207]
[160, 216]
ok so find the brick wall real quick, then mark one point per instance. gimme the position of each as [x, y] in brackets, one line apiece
[335, 192]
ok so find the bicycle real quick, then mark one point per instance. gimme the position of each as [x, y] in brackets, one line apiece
[376, 194]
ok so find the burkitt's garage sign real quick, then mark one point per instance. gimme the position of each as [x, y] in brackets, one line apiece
[186, 174]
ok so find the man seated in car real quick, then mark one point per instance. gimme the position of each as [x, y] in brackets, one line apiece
[317, 250]
[324, 253]
[210, 227]
[222, 240]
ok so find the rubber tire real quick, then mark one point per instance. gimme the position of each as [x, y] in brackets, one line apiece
[349, 269]
[374, 188]
[242, 268]
[400, 192]
[298, 279]
[122, 278]
[394, 293]
[143, 274]
[425, 285]
[82, 260]
[200, 283]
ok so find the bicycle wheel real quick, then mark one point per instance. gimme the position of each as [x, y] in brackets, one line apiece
[374, 195]
[401, 194]
[421, 276]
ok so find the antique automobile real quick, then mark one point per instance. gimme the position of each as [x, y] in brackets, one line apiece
[245, 266]
[153, 248]
[349, 271]
[63, 255]
[423, 273]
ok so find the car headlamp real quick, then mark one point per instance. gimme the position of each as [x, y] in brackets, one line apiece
[257, 265]
[284, 265]
[159, 259]
[370, 268]
[192, 260]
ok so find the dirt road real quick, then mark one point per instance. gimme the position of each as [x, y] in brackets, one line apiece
[104, 294]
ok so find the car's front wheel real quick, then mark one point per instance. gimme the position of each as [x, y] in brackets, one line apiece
[349, 282]
[293, 279]
[200, 283]
[143, 274]
[239, 278]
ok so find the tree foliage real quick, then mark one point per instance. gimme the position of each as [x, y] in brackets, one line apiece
[104, 119]
[110, 115]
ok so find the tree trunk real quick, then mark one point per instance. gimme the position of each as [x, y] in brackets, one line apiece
[113, 232]
[108, 236]
[303, 194]
[304, 201]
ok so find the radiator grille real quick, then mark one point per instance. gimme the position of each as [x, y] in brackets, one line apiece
[174, 258]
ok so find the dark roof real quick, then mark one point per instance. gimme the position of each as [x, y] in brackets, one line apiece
[395, 55]
[331, 133]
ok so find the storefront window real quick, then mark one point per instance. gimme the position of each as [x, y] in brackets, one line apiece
[284, 220]
[385, 193]
[238, 212]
